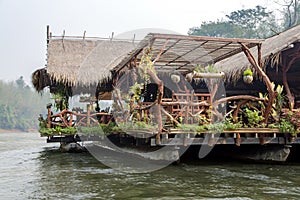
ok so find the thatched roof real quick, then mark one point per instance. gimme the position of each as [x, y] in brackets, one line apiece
[271, 48]
[40, 79]
[82, 61]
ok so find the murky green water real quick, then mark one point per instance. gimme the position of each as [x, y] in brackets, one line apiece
[32, 169]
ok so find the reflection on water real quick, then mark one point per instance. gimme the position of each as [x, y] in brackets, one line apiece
[32, 169]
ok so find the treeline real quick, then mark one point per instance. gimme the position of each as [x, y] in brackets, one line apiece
[20, 105]
[257, 22]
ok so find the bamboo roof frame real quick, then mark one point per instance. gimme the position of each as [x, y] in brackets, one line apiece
[182, 53]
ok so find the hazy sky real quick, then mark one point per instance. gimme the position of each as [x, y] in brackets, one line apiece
[23, 23]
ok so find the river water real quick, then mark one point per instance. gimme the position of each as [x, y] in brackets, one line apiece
[32, 169]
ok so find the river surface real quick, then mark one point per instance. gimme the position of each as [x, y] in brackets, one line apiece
[32, 169]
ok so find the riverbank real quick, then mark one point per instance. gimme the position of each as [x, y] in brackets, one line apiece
[18, 131]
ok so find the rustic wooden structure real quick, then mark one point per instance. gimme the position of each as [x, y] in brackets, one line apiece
[98, 66]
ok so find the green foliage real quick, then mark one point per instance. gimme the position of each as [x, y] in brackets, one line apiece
[216, 127]
[216, 29]
[192, 128]
[61, 93]
[136, 90]
[245, 23]
[108, 128]
[280, 99]
[278, 103]
[58, 131]
[248, 72]
[146, 64]
[132, 125]
[229, 125]
[91, 130]
[287, 127]
[20, 105]
[253, 117]
[98, 130]
[207, 69]
[253, 21]
[290, 12]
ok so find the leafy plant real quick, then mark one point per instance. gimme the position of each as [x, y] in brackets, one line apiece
[253, 117]
[280, 99]
[136, 90]
[287, 127]
[58, 131]
[229, 125]
[91, 130]
[146, 64]
[248, 72]
[216, 127]
[278, 103]
[133, 125]
[207, 69]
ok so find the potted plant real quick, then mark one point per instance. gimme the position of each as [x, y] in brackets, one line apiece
[248, 76]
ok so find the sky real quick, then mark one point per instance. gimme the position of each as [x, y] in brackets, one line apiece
[23, 23]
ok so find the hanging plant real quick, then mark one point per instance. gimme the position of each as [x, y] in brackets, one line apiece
[146, 64]
[248, 76]
[136, 90]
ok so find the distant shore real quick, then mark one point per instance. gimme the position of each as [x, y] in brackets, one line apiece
[18, 131]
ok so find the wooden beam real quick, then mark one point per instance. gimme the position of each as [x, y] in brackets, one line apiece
[161, 52]
[259, 55]
[205, 38]
[239, 97]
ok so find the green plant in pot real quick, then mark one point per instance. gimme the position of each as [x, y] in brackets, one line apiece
[248, 76]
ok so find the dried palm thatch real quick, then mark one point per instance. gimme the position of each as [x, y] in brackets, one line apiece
[40, 79]
[271, 50]
[84, 62]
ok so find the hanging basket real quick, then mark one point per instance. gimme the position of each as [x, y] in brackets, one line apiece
[248, 79]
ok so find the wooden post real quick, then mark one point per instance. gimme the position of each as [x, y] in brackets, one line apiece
[193, 109]
[88, 116]
[71, 119]
[272, 93]
[49, 117]
[48, 34]
[238, 140]
[259, 56]
[159, 101]
[286, 66]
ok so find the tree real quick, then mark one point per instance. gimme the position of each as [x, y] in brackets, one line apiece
[20, 82]
[220, 28]
[20, 106]
[246, 23]
[290, 13]
[255, 22]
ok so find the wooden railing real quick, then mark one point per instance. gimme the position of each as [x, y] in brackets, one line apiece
[187, 105]
[67, 118]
